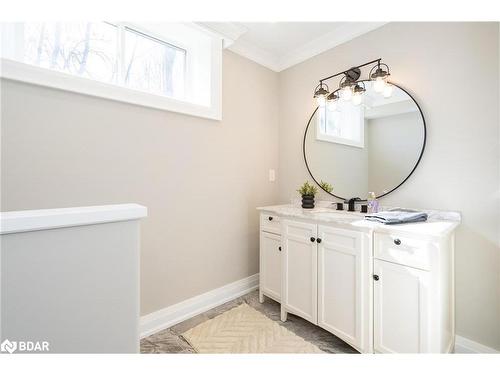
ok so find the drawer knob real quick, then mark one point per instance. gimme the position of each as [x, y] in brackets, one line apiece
[318, 240]
[313, 239]
[397, 241]
[375, 277]
[270, 218]
[279, 248]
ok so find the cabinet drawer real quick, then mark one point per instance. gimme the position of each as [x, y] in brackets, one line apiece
[404, 250]
[270, 223]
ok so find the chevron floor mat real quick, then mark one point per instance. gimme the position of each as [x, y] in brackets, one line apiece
[245, 330]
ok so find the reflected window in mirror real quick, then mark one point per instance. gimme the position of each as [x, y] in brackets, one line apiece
[344, 124]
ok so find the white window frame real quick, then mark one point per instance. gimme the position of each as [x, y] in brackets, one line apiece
[19, 71]
[139, 30]
[334, 139]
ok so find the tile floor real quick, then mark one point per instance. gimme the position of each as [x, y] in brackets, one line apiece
[170, 340]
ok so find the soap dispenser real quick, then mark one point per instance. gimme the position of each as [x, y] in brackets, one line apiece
[372, 203]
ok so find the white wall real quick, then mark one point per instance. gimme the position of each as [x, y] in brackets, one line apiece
[452, 70]
[75, 287]
[200, 179]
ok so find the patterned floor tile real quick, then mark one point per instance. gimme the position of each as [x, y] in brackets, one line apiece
[170, 340]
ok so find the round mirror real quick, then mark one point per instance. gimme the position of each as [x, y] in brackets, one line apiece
[372, 146]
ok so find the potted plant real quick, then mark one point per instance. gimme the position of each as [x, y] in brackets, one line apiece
[326, 186]
[308, 191]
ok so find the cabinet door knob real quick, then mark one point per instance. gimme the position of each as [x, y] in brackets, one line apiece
[313, 239]
[279, 248]
[397, 241]
[318, 240]
[375, 277]
[270, 218]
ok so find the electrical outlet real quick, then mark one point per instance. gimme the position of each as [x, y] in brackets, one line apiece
[272, 175]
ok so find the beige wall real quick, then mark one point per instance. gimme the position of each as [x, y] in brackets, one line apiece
[200, 179]
[452, 70]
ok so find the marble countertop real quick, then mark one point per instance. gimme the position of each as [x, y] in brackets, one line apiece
[438, 224]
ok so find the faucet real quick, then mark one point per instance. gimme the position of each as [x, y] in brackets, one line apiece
[351, 202]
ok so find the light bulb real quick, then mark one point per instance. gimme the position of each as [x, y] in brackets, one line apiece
[321, 100]
[357, 99]
[346, 93]
[332, 105]
[379, 84]
[388, 90]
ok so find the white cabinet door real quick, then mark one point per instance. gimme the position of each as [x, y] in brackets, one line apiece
[299, 265]
[400, 308]
[270, 265]
[343, 285]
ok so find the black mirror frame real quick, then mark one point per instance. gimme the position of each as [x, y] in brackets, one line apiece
[404, 180]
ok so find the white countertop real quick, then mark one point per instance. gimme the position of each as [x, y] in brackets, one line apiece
[30, 220]
[438, 224]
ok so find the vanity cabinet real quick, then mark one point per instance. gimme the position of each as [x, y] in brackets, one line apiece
[325, 278]
[343, 283]
[401, 308]
[270, 260]
[299, 270]
[381, 289]
[413, 294]
[270, 257]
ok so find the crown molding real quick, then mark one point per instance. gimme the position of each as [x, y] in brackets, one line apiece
[341, 34]
[256, 54]
[228, 31]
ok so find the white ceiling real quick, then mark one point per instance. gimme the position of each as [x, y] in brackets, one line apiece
[279, 38]
[279, 45]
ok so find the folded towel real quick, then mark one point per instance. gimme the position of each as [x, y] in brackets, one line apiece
[397, 216]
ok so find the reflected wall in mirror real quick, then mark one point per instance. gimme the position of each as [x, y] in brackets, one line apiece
[373, 146]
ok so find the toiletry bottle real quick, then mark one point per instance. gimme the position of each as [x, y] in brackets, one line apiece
[372, 203]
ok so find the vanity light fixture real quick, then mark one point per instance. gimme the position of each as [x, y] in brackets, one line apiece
[388, 88]
[346, 88]
[332, 101]
[379, 76]
[320, 94]
[351, 88]
[358, 90]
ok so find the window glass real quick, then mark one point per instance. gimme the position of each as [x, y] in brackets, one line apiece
[84, 49]
[153, 65]
[345, 124]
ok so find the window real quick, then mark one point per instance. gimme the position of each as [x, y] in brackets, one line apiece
[154, 66]
[164, 65]
[84, 49]
[343, 125]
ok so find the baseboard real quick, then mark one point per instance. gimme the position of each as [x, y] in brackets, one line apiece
[465, 345]
[181, 311]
